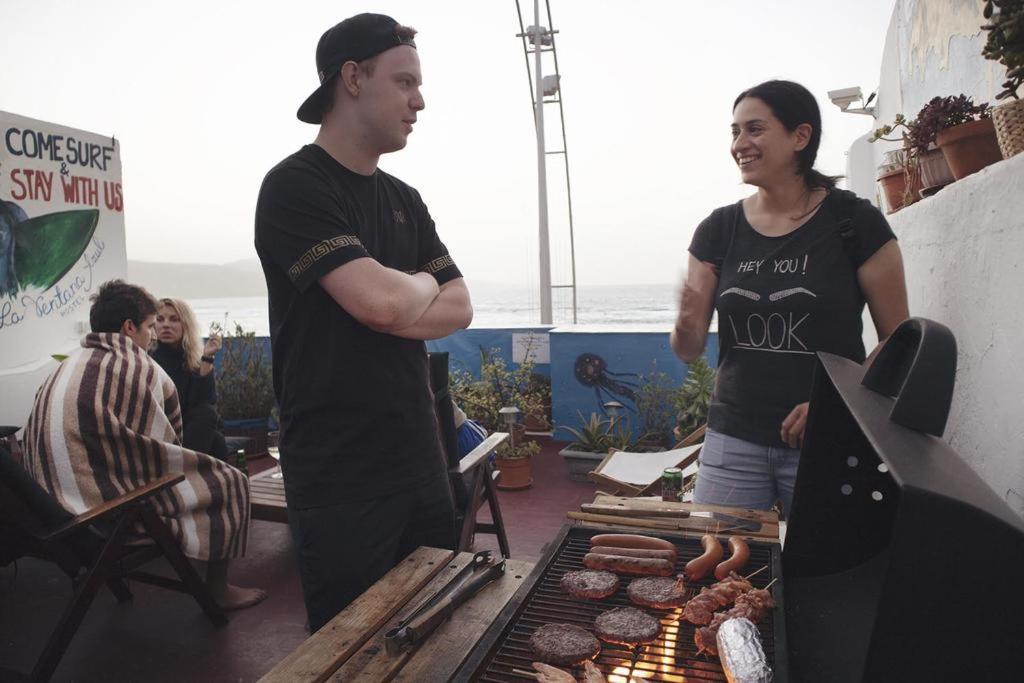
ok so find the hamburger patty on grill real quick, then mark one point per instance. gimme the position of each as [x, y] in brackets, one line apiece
[660, 592]
[563, 644]
[588, 583]
[627, 625]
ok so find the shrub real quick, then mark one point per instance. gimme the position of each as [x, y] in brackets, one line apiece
[245, 384]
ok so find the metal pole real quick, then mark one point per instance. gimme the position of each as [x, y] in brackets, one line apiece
[542, 179]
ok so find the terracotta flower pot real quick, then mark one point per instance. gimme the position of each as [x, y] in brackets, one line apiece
[969, 147]
[894, 187]
[515, 473]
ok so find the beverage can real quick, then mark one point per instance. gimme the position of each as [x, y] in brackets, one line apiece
[672, 484]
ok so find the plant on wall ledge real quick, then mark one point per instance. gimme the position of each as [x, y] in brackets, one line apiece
[245, 386]
[1005, 45]
[695, 396]
[499, 386]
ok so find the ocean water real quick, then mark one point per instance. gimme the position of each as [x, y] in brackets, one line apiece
[494, 306]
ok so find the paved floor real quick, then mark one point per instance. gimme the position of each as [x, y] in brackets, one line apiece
[162, 635]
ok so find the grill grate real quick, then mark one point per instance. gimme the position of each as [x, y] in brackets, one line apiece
[672, 658]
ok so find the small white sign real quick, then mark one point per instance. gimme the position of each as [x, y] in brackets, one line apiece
[536, 344]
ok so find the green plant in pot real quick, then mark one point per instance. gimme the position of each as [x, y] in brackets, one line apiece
[694, 397]
[962, 130]
[656, 412]
[592, 435]
[245, 388]
[497, 387]
[512, 459]
[592, 438]
[899, 175]
[1005, 45]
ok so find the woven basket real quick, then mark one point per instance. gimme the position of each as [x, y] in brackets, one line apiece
[1009, 122]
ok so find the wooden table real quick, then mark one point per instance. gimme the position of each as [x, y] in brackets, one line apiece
[644, 514]
[351, 646]
[266, 497]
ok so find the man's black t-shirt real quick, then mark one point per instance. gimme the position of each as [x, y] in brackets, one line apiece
[357, 417]
[779, 300]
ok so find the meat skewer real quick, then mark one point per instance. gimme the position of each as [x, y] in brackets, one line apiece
[752, 605]
[700, 609]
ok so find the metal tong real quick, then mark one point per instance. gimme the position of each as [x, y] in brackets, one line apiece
[428, 616]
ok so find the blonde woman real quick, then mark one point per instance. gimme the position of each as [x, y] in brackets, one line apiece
[180, 351]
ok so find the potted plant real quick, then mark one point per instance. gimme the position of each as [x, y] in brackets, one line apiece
[694, 397]
[497, 387]
[963, 131]
[1005, 44]
[899, 175]
[540, 386]
[512, 459]
[591, 441]
[656, 410]
[245, 389]
[500, 386]
[924, 164]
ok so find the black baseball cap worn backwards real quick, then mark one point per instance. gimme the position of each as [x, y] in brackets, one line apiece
[353, 40]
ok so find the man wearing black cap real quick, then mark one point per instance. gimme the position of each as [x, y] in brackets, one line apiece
[357, 279]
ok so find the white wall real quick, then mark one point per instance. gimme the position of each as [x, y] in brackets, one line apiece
[932, 48]
[962, 248]
[963, 253]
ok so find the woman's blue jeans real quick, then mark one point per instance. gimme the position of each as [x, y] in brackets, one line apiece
[742, 474]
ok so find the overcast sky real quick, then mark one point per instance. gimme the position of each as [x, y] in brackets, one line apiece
[202, 96]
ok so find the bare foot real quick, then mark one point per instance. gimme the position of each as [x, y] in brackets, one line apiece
[236, 597]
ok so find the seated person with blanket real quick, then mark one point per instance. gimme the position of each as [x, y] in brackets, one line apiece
[108, 420]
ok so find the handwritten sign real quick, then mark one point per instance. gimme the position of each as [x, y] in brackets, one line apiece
[61, 233]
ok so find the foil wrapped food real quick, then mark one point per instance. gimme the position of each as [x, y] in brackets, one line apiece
[739, 648]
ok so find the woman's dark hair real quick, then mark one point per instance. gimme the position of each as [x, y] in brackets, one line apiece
[793, 104]
[118, 301]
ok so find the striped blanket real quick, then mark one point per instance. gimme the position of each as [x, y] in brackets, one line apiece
[107, 421]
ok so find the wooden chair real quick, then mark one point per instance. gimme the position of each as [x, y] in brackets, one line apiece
[90, 548]
[472, 477]
[615, 487]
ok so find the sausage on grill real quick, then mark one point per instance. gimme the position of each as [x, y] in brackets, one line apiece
[630, 541]
[669, 555]
[737, 560]
[700, 567]
[640, 566]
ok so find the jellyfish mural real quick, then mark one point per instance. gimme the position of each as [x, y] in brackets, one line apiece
[592, 371]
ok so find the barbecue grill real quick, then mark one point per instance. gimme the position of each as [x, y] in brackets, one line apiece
[673, 657]
[901, 564]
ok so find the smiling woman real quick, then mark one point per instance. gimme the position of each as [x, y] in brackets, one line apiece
[788, 270]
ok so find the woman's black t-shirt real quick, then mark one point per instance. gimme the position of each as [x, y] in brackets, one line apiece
[779, 300]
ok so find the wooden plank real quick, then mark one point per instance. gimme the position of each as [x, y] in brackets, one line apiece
[444, 650]
[482, 450]
[693, 524]
[322, 653]
[764, 516]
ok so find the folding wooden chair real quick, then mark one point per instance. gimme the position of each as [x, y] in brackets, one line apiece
[614, 487]
[90, 548]
[472, 477]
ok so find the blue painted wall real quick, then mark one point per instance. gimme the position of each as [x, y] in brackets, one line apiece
[464, 347]
[589, 368]
[617, 358]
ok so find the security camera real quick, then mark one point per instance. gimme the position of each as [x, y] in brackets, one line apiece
[844, 97]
